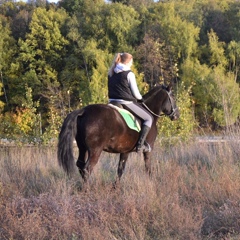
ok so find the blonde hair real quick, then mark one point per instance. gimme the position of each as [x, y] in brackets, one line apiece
[119, 58]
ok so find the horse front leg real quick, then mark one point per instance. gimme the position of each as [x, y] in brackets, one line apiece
[147, 161]
[121, 166]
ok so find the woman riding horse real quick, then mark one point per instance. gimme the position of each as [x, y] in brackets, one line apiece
[122, 88]
[100, 127]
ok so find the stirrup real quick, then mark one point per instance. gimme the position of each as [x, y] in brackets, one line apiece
[144, 148]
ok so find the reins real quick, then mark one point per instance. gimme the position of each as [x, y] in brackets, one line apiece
[160, 115]
[152, 111]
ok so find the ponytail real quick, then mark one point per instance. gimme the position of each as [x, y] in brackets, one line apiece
[116, 60]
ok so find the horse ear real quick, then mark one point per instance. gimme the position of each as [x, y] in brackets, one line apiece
[170, 86]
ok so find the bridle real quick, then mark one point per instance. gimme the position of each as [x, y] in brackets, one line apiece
[152, 111]
[173, 109]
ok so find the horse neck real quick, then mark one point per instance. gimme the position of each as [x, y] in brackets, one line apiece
[155, 101]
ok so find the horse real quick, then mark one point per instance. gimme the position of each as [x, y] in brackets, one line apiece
[100, 127]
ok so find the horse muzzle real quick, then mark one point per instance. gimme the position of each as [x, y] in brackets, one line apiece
[175, 114]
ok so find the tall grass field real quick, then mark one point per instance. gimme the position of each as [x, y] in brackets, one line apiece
[193, 193]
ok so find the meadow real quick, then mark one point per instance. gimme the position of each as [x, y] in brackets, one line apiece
[193, 193]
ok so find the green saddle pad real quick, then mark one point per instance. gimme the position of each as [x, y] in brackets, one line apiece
[129, 118]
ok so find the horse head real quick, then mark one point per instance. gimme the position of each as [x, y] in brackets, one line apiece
[170, 107]
[166, 103]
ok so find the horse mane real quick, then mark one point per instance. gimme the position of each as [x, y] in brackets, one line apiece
[153, 92]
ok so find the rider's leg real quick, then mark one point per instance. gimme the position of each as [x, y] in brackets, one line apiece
[142, 145]
[147, 118]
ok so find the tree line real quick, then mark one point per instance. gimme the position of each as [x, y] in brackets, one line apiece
[54, 58]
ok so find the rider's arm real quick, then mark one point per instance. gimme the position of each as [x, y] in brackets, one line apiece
[133, 85]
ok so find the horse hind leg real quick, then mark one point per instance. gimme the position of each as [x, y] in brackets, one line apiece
[81, 162]
[86, 167]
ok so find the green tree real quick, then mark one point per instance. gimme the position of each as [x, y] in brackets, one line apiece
[226, 97]
[217, 51]
[196, 77]
[233, 55]
[215, 93]
[233, 17]
[80, 6]
[179, 35]
[115, 29]
[40, 55]
[95, 34]
[75, 75]
[113, 26]
[169, 40]
[134, 3]
[7, 51]
[99, 78]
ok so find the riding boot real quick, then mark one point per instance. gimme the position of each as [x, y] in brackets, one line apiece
[143, 146]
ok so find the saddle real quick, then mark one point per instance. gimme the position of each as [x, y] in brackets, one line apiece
[132, 122]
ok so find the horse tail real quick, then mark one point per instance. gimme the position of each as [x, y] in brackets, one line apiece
[65, 141]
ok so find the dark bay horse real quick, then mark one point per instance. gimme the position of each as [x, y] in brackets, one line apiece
[99, 127]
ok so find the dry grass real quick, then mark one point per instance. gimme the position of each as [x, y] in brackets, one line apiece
[193, 193]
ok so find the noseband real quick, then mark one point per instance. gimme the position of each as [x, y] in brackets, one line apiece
[173, 110]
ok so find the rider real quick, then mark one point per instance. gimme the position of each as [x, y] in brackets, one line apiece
[122, 88]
